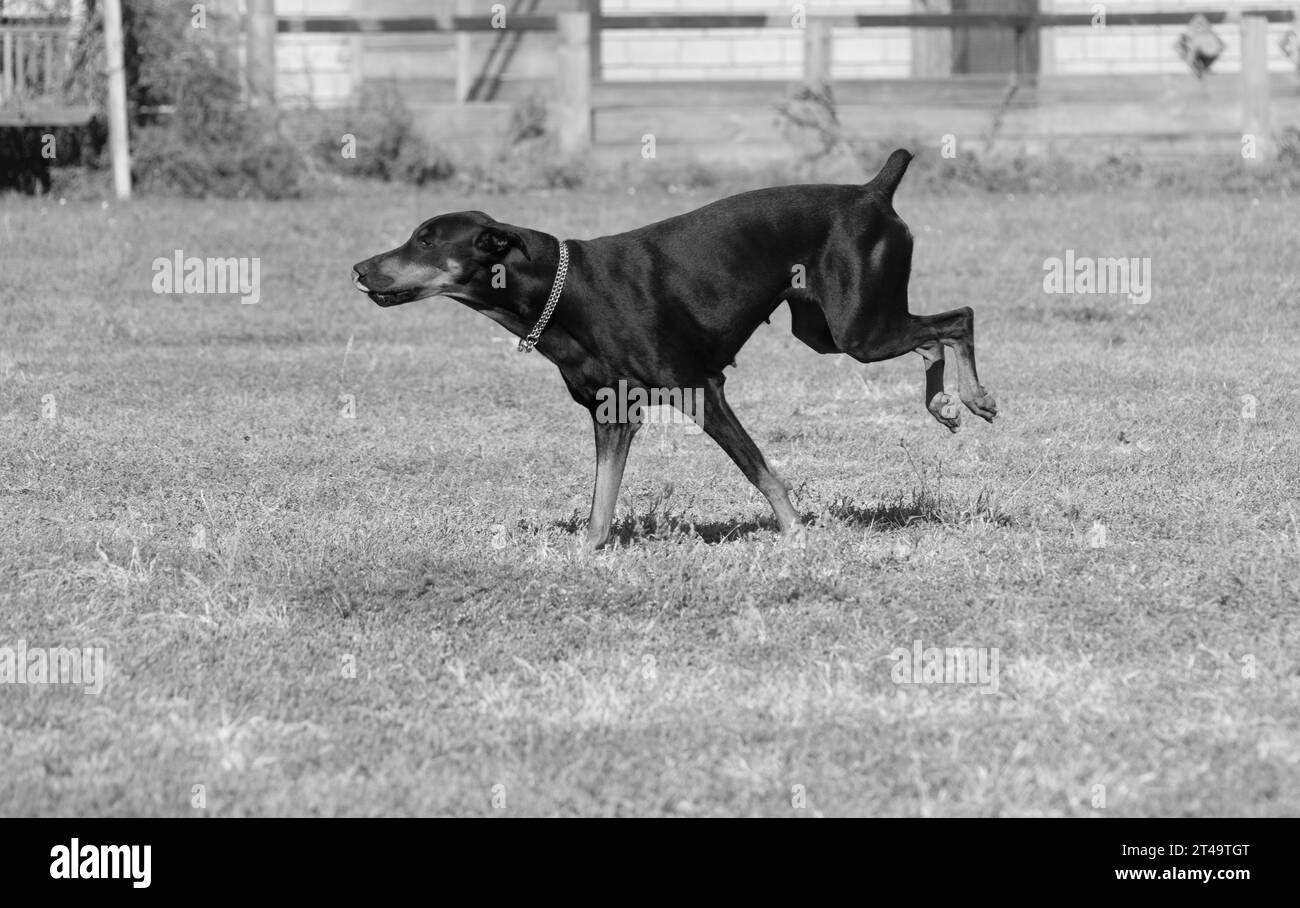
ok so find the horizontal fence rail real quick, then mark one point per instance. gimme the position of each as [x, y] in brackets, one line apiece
[453, 24]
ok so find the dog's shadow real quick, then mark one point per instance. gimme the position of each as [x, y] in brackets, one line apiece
[634, 529]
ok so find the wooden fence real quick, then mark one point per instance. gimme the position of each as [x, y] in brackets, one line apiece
[34, 58]
[36, 85]
[590, 111]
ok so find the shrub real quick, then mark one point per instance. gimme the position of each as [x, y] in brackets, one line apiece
[170, 161]
[388, 146]
[191, 131]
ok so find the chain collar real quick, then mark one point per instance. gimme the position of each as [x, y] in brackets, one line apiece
[561, 271]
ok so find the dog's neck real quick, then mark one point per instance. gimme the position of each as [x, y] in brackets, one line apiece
[520, 303]
[552, 300]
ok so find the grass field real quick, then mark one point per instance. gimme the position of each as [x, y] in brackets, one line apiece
[305, 613]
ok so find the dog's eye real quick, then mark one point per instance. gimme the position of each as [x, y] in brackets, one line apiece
[424, 240]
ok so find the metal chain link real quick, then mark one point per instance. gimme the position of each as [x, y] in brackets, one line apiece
[561, 271]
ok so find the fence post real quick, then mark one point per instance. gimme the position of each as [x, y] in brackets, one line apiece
[593, 7]
[48, 70]
[1254, 86]
[817, 54]
[574, 81]
[118, 144]
[931, 47]
[20, 68]
[464, 56]
[7, 65]
[260, 38]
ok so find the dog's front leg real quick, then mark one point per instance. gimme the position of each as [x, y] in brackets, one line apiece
[613, 439]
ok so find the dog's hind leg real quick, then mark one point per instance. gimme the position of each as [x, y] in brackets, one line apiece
[923, 334]
[940, 404]
[956, 329]
[723, 427]
[808, 323]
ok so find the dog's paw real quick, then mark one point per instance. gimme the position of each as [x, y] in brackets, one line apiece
[796, 537]
[592, 543]
[944, 409]
[981, 403]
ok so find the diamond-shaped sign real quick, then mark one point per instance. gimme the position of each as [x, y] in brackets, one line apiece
[1199, 46]
[1290, 45]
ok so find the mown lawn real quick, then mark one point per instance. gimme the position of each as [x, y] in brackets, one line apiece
[388, 614]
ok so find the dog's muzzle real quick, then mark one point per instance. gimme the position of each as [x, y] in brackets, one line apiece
[385, 298]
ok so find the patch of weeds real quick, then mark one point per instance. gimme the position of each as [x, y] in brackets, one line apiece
[1083, 315]
[528, 158]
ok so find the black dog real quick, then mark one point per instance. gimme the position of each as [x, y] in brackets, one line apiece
[669, 305]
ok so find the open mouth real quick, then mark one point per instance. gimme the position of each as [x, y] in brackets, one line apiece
[393, 299]
[389, 298]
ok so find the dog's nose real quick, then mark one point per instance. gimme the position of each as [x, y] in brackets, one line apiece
[357, 281]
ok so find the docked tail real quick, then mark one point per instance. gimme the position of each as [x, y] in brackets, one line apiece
[891, 174]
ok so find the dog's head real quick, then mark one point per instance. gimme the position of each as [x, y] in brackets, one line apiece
[451, 255]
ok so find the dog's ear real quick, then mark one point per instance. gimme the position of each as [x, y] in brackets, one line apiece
[495, 239]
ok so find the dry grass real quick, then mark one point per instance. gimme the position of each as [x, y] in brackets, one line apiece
[700, 667]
